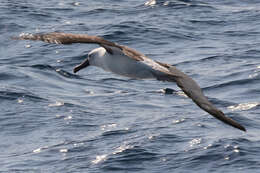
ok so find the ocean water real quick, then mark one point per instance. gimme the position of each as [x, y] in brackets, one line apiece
[52, 120]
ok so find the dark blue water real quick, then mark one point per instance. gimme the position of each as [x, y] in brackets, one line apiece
[52, 120]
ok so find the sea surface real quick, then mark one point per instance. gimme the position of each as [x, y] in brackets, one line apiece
[52, 120]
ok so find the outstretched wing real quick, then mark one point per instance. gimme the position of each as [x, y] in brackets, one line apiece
[69, 38]
[187, 84]
[193, 91]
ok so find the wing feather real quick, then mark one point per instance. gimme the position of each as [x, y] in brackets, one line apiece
[69, 38]
[193, 91]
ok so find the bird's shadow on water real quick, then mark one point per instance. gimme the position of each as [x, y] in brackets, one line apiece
[57, 69]
[111, 79]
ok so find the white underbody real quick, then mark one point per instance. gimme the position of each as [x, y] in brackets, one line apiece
[123, 65]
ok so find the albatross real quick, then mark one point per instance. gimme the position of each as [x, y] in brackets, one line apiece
[125, 61]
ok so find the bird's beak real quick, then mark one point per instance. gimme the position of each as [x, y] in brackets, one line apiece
[81, 66]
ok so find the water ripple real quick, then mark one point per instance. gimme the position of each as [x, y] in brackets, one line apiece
[53, 120]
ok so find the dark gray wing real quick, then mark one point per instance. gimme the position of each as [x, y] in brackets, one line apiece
[69, 38]
[193, 91]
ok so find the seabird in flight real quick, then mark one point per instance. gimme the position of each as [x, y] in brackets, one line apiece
[125, 61]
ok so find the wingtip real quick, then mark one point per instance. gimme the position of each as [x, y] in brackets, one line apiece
[25, 36]
[242, 128]
[15, 38]
[221, 116]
